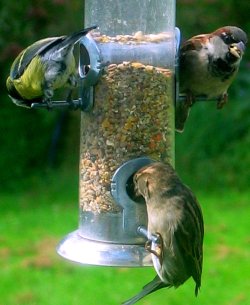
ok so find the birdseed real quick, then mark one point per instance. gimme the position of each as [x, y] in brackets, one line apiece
[132, 117]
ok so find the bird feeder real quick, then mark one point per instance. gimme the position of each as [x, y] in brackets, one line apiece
[127, 70]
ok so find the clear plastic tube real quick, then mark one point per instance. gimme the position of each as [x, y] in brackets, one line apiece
[133, 113]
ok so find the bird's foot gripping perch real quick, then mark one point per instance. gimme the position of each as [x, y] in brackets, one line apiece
[222, 100]
[50, 104]
[154, 243]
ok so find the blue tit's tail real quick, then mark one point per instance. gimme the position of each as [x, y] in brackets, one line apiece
[154, 285]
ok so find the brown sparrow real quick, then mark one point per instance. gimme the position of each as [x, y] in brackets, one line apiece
[175, 228]
[208, 63]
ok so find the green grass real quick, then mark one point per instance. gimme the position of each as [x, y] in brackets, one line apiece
[33, 222]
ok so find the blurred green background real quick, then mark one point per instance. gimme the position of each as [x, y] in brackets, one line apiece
[39, 176]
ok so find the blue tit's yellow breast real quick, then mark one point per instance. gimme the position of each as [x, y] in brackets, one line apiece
[30, 84]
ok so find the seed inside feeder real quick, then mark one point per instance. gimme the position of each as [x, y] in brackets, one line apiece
[132, 117]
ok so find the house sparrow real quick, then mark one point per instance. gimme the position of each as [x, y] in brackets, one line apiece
[44, 66]
[175, 228]
[208, 63]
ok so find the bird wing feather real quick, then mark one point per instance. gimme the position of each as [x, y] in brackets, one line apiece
[25, 57]
[193, 44]
[189, 242]
[149, 288]
[41, 47]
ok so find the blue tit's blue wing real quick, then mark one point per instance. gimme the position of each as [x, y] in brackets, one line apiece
[24, 58]
[64, 42]
[41, 47]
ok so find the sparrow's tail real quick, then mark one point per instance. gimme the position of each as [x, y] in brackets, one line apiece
[154, 285]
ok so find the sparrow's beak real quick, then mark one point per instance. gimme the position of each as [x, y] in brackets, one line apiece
[237, 49]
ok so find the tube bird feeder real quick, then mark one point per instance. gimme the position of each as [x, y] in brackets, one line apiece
[127, 68]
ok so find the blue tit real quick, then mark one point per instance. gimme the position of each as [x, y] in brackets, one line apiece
[175, 221]
[44, 66]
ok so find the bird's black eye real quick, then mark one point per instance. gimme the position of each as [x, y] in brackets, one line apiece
[228, 38]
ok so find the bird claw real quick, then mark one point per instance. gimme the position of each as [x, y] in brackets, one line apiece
[222, 101]
[48, 94]
[154, 244]
[190, 100]
[49, 103]
[69, 100]
[155, 241]
[148, 245]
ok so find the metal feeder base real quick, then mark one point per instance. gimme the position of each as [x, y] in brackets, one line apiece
[84, 251]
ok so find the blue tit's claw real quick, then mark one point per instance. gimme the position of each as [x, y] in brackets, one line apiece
[48, 103]
[72, 105]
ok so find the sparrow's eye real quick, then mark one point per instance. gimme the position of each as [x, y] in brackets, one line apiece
[228, 38]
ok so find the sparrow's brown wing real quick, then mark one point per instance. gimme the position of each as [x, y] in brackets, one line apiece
[195, 43]
[189, 236]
